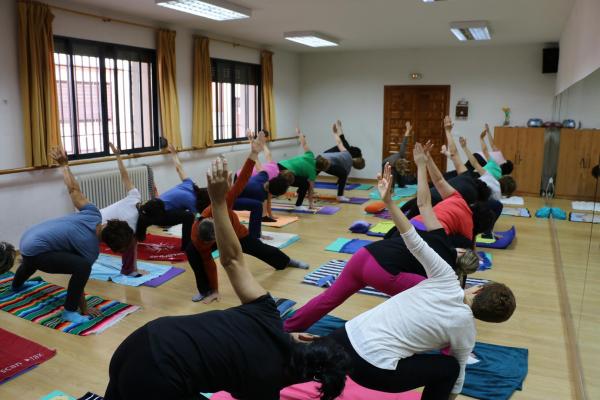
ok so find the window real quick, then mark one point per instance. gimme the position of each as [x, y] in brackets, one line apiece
[236, 96]
[106, 93]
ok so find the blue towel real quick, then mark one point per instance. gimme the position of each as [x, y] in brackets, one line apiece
[354, 245]
[108, 268]
[324, 326]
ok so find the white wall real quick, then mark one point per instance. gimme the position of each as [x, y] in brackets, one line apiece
[349, 86]
[28, 198]
[579, 44]
[581, 102]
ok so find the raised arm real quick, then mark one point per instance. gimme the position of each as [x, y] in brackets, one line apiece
[124, 175]
[256, 145]
[433, 264]
[407, 132]
[471, 157]
[302, 139]
[77, 197]
[442, 186]
[491, 138]
[267, 151]
[230, 251]
[484, 148]
[423, 193]
[177, 163]
[452, 151]
[338, 141]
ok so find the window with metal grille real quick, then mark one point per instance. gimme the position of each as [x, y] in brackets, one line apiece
[236, 96]
[106, 93]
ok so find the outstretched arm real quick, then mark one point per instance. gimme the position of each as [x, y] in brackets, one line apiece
[491, 138]
[268, 155]
[77, 197]
[302, 138]
[407, 132]
[338, 140]
[423, 193]
[442, 186]
[484, 148]
[471, 157]
[384, 185]
[452, 149]
[177, 162]
[124, 175]
[230, 251]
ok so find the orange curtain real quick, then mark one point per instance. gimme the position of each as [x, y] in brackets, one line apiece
[167, 87]
[38, 83]
[268, 101]
[202, 124]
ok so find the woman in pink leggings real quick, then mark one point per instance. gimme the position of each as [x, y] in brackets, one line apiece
[387, 265]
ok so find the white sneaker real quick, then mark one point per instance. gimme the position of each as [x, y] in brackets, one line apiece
[343, 199]
[301, 208]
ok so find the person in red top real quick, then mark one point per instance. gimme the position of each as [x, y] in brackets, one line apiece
[203, 236]
[455, 215]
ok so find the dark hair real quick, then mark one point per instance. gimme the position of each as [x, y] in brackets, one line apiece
[117, 235]
[278, 185]
[483, 218]
[596, 171]
[266, 132]
[153, 208]
[483, 191]
[507, 167]
[206, 230]
[322, 360]
[322, 164]
[508, 185]
[7, 256]
[495, 302]
[202, 198]
[358, 162]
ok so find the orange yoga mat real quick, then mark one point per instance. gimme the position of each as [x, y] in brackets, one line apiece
[282, 220]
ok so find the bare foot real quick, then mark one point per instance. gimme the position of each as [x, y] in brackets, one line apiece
[214, 296]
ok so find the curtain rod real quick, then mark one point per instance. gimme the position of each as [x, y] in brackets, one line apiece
[133, 155]
[125, 22]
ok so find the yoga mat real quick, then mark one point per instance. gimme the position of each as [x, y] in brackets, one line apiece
[475, 282]
[512, 201]
[408, 191]
[364, 186]
[381, 228]
[351, 200]
[167, 276]
[584, 217]
[57, 395]
[334, 186]
[108, 268]
[279, 239]
[18, 355]
[156, 248]
[42, 303]
[352, 391]
[282, 220]
[347, 246]
[585, 206]
[502, 241]
[334, 268]
[91, 396]
[291, 208]
[516, 212]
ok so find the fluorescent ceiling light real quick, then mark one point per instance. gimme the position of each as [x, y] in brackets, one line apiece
[470, 30]
[431, 1]
[219, 10]
[312, 39]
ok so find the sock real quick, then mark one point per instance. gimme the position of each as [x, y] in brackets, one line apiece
[297, 264]
[75, 317]
[343, 198]
[199, 297]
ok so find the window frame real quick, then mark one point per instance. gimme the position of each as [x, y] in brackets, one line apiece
[259, 105]
[108, 50]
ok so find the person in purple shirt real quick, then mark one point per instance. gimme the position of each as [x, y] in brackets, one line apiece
[177, 205]
[70, 245]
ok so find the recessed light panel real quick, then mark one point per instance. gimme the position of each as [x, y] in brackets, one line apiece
[218, 10]
[471, 30]
[312, 39]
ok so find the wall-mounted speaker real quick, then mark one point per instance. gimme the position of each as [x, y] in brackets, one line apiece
[550, 61]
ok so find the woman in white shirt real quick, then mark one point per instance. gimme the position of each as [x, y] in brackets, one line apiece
[387, 343]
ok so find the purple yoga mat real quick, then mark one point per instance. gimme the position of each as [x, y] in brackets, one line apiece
[358, 200]
[333, 185]
[328, 210]
[167, 276]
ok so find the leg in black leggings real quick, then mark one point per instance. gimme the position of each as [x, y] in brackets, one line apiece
[256, 211]
[301, 183]
[269, 254]
[176, 217]
[134, 373]
[342, 175]
[197, 265]
[496, 208]
[57, 262]
[437, 373]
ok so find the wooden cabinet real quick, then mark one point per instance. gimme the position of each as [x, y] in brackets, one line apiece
[579, 152]
[525, 148]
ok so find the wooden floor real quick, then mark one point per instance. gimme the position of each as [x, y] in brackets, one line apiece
[81, 363]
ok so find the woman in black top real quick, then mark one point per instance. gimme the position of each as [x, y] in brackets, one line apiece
[242, 350]
[386, 265]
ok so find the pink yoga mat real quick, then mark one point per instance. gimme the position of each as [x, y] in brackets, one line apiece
[352, 391]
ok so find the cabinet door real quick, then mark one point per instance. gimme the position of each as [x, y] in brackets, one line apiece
[590, 146]
[506, 139]
[570, 180]
[529, 160]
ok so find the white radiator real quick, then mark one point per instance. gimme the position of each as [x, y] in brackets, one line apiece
[106, 188]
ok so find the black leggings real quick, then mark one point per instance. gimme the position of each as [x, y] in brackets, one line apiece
[134, 373]
[341, 174]
[355, 152]
[168, 218]
[478, 157]
[301, 182]
[250, 245]
[436, 372]
[57, 262]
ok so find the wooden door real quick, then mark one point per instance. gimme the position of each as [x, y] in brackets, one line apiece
[425, 107]
[570, 159]
[529, 160]
[590, 146]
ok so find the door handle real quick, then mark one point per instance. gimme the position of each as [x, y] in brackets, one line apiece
[582, 163]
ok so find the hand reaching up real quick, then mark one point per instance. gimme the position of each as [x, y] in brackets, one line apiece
[448, 125]
[338, 124]
[218, 181]
[408, 128]
[445, 151]
[427, 148]
[172, 149]
[463, 142]
[419, 154]
[384, 184]
[335, 130]
[59, 155]
[257, 142]
[115, 149]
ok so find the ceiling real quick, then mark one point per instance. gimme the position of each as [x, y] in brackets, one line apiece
[365, 24]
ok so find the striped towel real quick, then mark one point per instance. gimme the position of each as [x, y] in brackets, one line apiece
[334, 268]
[42, 303]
